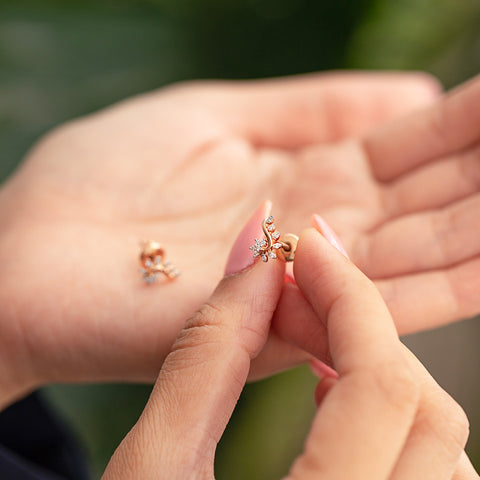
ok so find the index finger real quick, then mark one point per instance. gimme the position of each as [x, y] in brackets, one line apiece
[361, 332]
[450, 125]
[364, 420]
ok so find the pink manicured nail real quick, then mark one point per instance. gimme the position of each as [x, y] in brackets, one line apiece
[322, 370]
[289, 278]
[241, 256]
[322, 226]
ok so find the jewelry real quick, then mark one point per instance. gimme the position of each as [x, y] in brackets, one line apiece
[152, 259]
[274, 245]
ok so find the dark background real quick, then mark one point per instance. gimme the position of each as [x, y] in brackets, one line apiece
[61, 59]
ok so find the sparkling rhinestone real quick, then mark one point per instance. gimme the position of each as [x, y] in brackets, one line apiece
[272, 254]
[271, 227]
[263, 243]
[277, 246]
[158, 260]
[264, 257]
[269, 219]
[148, 263]
[256, 254]
[276, 235]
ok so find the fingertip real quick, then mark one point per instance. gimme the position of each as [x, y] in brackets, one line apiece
[427, 84]
[313, 247]
[323, 387]
[241, 256]
[328, 233]
[321, 369]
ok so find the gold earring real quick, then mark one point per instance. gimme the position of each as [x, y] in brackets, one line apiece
[274, 245]
[152, 260]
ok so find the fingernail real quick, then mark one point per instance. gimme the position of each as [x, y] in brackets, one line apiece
[322, 370]
[289, 278]
[241, 256]
[322, 226]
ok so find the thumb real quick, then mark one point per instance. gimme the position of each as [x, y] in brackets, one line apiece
[205, 372]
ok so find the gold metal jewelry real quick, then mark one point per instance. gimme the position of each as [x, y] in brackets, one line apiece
[274, 245]
[152, 260]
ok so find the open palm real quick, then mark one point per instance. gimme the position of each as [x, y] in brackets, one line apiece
[187, 165]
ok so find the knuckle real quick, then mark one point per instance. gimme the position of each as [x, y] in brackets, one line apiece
[457, 424]
[398, 385]
[203, 327]
[207, 314]
[440, 415]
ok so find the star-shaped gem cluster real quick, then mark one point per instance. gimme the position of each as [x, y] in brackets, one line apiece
[264, 248]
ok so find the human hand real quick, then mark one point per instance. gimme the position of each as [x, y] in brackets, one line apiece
[383, 418]
[181, 166]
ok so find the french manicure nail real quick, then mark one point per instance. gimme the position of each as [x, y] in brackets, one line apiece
[241, 256]
[322, 226]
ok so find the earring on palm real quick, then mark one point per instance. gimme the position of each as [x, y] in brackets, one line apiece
[153, 263]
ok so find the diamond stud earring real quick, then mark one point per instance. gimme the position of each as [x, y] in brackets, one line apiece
[152, 260]
[274, 245]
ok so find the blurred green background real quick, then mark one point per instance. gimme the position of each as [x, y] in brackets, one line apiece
[61, 59]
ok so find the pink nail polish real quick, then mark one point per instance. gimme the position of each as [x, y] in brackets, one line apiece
[289, 278]
[322, 226]
[241, 256]
[322, 370]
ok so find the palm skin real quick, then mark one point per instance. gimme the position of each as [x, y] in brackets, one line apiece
[186, 166]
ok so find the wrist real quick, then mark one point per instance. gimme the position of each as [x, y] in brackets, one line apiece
[16, 372]
[17, 366]
[11, 387]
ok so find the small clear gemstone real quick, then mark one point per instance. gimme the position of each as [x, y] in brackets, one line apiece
[271, 227]
[276, 235]
[148, 262]
[272, 255]
[158, 260]
[258, 247]
[269, 219]
[264, 257]
[277, 245]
